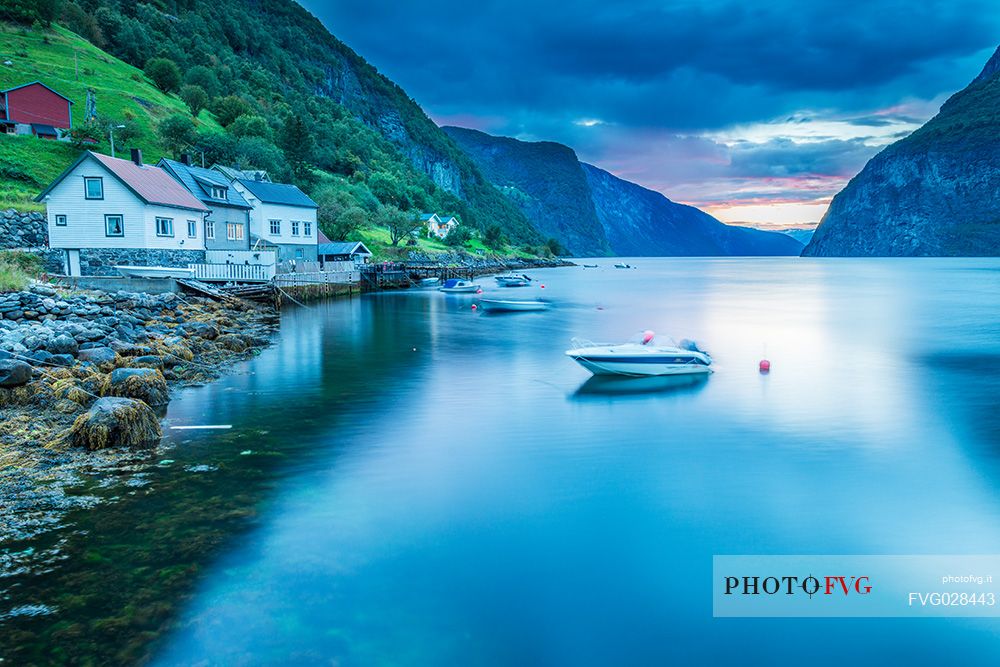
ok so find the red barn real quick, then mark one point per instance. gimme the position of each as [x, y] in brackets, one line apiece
[35, 108]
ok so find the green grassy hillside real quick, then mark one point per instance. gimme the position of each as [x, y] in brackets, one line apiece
[71, 65]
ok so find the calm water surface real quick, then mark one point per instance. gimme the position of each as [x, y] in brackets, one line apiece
[431, 485]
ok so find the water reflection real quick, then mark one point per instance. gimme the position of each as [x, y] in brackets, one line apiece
[604, 386]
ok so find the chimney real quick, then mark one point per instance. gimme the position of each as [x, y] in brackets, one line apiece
[186, 159]
[137, 156]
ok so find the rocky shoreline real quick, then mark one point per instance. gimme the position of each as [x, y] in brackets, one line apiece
[84, 380]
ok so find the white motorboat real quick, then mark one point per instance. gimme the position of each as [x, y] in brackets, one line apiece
[456, 286]
[512, 281]
[623, 266]
[155, 272]
[424, 282]
[505, 305]
[641, 359]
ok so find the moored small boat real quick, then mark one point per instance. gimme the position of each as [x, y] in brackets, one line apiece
[456, 286]
[154, 272]
[512, 281]
[621, 265]
[641, 359]
[511, 306]
[424, 282]
[590, 266]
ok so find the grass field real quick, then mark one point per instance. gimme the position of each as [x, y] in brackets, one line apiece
[70, 65]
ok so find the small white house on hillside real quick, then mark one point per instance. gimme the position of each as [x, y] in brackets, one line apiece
[282, 217]
[104, 211]
[438, 226]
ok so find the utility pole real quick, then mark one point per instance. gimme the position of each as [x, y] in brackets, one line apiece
[111, 136]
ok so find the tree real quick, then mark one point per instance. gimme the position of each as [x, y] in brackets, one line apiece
[555, 247]
[227, 109]
[202, 76]
[297, 142]
[177, 132]
[87, 134]
[399, 223]
[388, 190]
[458, 236]
[249, 125]
[493, 237]
[195, 98]
[165, 74]
[341, 227]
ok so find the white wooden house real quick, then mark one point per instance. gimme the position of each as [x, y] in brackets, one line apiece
[282, 218]
[438, 226]
[105, 211]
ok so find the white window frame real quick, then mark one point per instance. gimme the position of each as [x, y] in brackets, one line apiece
[61, 220]
[87, 180]
[307, 228]
[210, 229]
[218, 192]
[234, 231]
[121, 221]
[192, 229]
[295, 227]
[169, 226]
[272, 225]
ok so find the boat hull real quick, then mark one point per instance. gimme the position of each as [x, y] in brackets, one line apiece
[154, 272]
[495, 306]
[641, 361]
[465, 289]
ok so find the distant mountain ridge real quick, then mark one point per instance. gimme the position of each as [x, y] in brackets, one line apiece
[592, 212]
[933, 193]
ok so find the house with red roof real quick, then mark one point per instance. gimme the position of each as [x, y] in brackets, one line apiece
[34, 108]
[106, 212]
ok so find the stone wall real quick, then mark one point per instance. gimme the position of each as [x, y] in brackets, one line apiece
[19, 229]
[101, 261]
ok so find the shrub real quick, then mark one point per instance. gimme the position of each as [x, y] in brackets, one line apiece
[177, 132]
[165, 74]
[17, 269]
[195, 98]
[228, 109]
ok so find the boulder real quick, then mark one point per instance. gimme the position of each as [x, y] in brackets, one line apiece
[14, 373]
[145, 384]
[61, 359]
[147, 361]
[98, 355]
[116, 422]
[63, 344]
[200, 329]
[232, 342]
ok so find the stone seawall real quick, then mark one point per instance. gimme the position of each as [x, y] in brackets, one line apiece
[20, 229]
[102, 261]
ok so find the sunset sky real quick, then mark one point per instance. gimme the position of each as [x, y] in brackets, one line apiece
[756, 112]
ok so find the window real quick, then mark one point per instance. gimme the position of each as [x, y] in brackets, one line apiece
[210, 229]
[234, 231]
[298, 253]
[218, 192]
[114, 225]
[60, 221]
[295, 227]
[10, 128]
[275, 227]
[164, 226]
[93, 187]
[307, 228]
[192, 229]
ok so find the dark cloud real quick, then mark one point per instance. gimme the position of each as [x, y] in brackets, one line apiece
[659, 70]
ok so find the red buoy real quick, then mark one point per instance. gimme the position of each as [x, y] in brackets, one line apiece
[543, 286]
[474, 306]
[765, 366]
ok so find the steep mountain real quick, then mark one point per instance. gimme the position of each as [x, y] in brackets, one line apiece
[933, 193]
[640, 222]
[279, 61]
[591, 212]
[546, 181]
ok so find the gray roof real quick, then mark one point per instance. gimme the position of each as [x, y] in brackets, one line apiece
[232, 173]
[342, 248]
[199, 182]
[277, 193]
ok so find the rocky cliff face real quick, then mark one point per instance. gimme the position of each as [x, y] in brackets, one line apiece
[934, 193]
[545, 181]
[591, 212]
[641, 222]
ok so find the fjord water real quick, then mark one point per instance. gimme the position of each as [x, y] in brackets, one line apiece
[432, 485]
